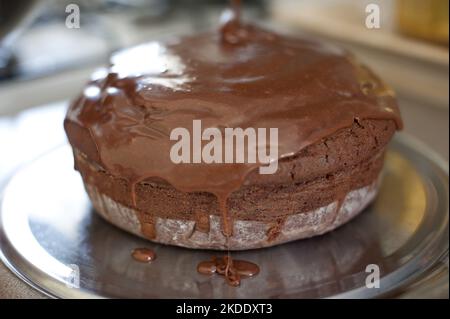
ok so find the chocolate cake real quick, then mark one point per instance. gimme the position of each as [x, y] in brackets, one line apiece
[333, 115]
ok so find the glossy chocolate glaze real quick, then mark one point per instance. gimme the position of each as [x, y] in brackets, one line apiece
[241, 76]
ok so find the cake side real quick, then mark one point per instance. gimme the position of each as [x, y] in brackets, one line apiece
[247, 234]
[346, 160]
[354, 157]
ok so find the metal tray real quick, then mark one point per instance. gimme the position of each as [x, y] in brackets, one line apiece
[47, 226]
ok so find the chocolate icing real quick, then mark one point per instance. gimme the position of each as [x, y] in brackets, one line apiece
[242, 76]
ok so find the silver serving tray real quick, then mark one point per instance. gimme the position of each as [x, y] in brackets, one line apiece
[47, 225]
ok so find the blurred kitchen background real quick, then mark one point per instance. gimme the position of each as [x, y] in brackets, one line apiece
[44, 64]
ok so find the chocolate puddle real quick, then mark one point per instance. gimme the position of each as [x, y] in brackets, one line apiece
[232, 270]
[143, 255]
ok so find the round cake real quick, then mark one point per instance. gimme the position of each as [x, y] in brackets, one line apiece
[333, 118]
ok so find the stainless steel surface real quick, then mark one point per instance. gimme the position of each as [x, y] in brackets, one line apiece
[46, 224]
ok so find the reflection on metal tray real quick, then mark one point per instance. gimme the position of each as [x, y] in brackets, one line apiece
[47, 225]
